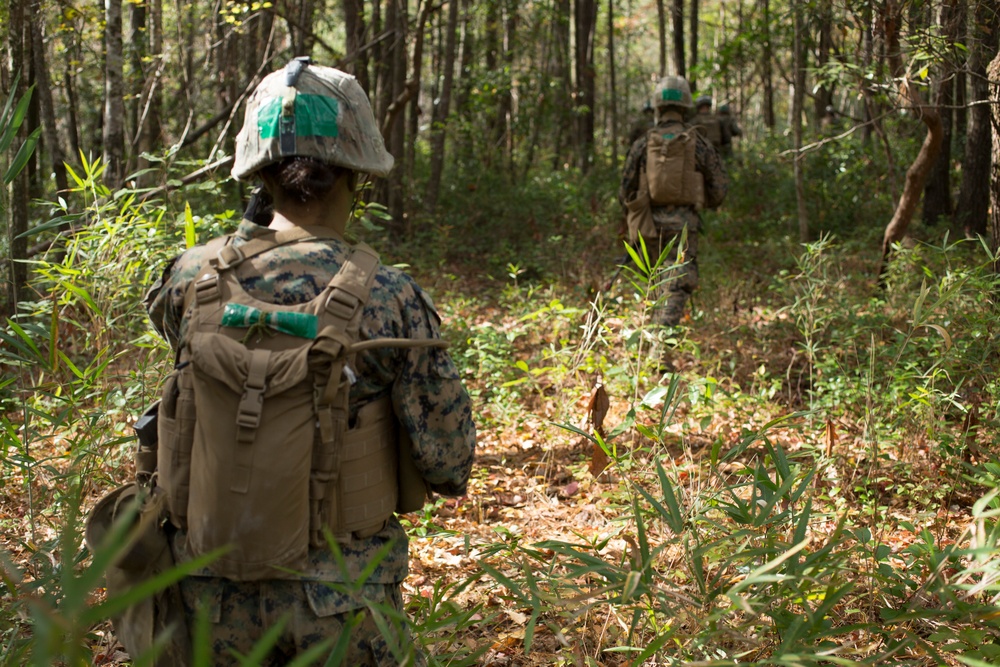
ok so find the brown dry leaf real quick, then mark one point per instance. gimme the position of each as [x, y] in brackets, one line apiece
[598, 409]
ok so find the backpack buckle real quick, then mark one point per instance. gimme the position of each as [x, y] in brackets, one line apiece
[206, 288]
[342, 305]
[228, 256]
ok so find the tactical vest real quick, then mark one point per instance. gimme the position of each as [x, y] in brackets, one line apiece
[256, 452]
[710, 127]
[672, 167]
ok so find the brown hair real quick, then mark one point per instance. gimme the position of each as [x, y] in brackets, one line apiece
[303, 178]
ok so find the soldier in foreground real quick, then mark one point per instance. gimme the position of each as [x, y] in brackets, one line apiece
[315, 371]
[669, 175]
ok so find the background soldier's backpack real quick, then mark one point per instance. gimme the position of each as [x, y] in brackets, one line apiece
[672, 167]
[710, 128]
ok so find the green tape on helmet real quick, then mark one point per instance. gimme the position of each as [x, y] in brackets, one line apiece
[672, 95]
[315, 116]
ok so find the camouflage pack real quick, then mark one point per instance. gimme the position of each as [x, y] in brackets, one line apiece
[671, 167]
[257, 449]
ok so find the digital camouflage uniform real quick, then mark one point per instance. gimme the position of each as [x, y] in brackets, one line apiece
[430, 402]
[671, 220]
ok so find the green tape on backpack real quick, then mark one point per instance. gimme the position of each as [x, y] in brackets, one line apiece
[302, 325]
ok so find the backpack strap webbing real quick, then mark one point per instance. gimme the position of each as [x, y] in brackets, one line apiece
[347, 294]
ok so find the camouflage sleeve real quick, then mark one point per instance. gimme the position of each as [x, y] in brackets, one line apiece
[710, 165]
[433, 405]
[163, 315]
[634, 162]
[734, 128]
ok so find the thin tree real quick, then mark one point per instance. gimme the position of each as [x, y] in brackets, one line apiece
[43, 90]
[916, 175]
[613, 93]
[767, 58]
[973, 196]
[694, 43]
[661, 25]
[993, 74]
[937, 191]
[677, 21]
[17, 197]
[113, 137]
[798, 100]
[586, 24]
[439, 117]
[356, 32]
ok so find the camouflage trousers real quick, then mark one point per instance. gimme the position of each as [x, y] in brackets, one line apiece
[239, 613]
[675, 285]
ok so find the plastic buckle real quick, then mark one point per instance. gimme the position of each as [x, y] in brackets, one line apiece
[228, 256]
[207, 288]
[342, 305]
[250, 408]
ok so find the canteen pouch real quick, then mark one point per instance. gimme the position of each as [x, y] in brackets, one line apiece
[175, 429]
[639, 212]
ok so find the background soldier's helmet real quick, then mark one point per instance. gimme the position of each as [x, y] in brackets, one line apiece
[313, 111]
[724, 109]
[703, 101]
[672, 91]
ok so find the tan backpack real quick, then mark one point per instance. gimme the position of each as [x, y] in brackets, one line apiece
[255, 449]
[672, 167]
[710, 128]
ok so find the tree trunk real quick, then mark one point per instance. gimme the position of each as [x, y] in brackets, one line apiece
[612, 90]
[937, 192]
[138, 47]
[661, 25]
[17, 196]
[767, 57]
[974, 195]
[677, 20]
[798, 102]
[439, 119]
[43, 90]
[993, 73]
[694, 43]
[563, 92]
[916, 175]
[354, 26]
[114, 107]
[823, 96]
[586, 23]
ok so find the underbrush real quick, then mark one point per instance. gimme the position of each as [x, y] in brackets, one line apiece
[803, 474]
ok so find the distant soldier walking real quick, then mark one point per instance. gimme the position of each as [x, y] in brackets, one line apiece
[707, 122]
[670, 173]
[730, 129]
[642, 124]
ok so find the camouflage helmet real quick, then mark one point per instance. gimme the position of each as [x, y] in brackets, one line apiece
[703, 101]
[672, 91]
[724, 109]
[312, 111]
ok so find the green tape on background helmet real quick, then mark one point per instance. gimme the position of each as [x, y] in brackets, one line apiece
[325, 114]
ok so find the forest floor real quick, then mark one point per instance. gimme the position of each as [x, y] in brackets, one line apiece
[536, 481]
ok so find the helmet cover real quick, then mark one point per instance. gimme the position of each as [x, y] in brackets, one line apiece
[703, 101]
[672, 91]
[310, 111]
